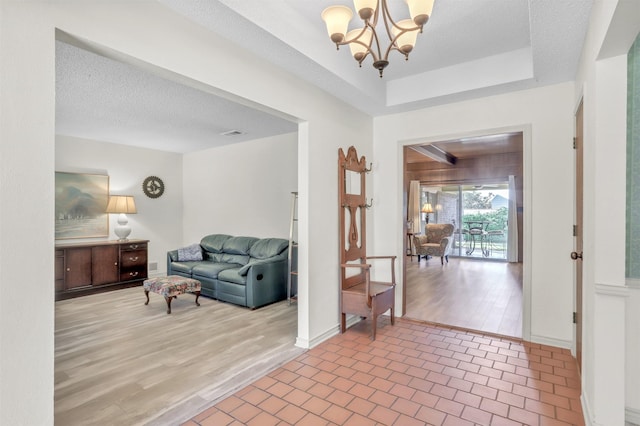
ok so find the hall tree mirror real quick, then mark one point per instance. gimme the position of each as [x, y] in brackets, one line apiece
[352, 182]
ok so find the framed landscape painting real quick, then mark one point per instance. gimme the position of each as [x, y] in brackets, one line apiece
[81, 201]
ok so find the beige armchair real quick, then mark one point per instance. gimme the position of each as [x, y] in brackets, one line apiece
[436, 242]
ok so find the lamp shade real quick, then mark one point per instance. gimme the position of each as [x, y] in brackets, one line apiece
[420, 10]
[407, 39]
[358, 50]
[365, 8]
[121, 204]
[426, 208]
[337, 20]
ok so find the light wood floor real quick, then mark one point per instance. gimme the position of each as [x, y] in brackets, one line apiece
[474, 294]
[119, 362]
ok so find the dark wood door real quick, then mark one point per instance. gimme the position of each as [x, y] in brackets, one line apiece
[104, 261]
[579, 228]
[77, 267]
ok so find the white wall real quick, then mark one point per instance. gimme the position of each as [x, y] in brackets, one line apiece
[158, 220]
[160, 38]
[241, 189]
[546, 117]
[26, 233]
[609, 356]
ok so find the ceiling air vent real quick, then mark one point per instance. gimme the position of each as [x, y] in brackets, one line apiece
[231, 133]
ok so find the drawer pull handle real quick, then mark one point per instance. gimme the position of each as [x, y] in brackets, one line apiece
[133, 259]
[116, 263]
[68, 269]
[133, 246]
[134, 274]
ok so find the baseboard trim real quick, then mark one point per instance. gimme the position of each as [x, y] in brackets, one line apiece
[632, 415]
[586, 410]
[333, 331]
[566, 344]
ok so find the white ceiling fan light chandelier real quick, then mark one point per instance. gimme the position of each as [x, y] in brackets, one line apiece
[402, 34]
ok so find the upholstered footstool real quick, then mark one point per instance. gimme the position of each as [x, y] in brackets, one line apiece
[170, 287]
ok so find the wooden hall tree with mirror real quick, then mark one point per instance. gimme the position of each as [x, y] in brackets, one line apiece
[359, 295]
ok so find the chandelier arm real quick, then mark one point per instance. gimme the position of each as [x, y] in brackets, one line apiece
[357, 41]
[388, 18]
[375, 15]
[386, 15]
[374, 38]
[394, 46]
[369, 51]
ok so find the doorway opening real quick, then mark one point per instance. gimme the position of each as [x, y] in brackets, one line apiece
[476, 185]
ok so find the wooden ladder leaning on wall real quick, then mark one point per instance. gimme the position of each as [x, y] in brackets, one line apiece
[359, 295]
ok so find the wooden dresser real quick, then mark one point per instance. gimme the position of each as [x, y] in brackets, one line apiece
[86, 268]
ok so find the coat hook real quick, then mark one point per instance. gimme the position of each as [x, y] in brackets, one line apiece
[369, 169]
[368, 206]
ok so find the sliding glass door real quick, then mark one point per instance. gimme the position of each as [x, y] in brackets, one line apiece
[479, 214]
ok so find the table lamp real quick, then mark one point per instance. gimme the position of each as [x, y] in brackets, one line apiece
[122, 204]
[427, 209]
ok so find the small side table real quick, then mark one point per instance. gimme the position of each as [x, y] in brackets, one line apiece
[410, 245]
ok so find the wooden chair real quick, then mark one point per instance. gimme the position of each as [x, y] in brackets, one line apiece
[359, 295]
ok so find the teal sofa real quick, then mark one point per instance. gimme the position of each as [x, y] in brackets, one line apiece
[246, 271]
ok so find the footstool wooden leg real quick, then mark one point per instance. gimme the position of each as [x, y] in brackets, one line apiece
[197, 296]
[146, 293]
[168, 299]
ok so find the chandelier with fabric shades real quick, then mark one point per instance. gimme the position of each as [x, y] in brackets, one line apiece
[366, 41]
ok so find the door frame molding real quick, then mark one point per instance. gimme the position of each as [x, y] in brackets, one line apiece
[526, 216]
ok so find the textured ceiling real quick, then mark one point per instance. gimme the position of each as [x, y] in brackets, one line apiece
[469, 48]
[106, 100]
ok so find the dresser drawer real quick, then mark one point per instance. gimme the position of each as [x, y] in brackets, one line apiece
[134, 273]
[133, 258]
[133, 246]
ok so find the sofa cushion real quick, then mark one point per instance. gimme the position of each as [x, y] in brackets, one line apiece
[232, 275]
[213, 243]
[190, 253]
[236, 259]
[183, 267]
[213, 257]
[210, 269]
[238, 245]
[268, 247]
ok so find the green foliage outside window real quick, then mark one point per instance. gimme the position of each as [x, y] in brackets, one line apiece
[497, 221]
[497, 218]
[476, 200]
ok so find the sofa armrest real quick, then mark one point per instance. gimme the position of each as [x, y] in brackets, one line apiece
[266, 282]
[172, 256]
[253, 262]
[245, 269]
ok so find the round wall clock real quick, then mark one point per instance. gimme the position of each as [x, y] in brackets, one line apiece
[153, 187]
